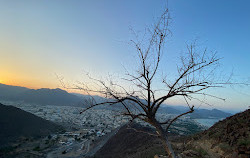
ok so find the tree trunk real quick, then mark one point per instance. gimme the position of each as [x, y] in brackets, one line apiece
[164, 139]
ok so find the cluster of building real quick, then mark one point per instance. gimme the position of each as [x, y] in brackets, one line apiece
[97, 119]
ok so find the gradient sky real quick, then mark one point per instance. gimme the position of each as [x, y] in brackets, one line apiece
[39, 39]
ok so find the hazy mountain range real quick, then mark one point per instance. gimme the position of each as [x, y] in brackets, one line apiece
[45, 96]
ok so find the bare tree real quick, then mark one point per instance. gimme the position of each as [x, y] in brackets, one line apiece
[143, 99]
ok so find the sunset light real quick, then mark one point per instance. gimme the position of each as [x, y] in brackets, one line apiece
[124, 78]
[40, 39]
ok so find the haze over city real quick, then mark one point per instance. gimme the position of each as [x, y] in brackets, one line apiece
[42, 39]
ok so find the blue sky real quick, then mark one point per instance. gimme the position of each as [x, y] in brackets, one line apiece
[41, 38]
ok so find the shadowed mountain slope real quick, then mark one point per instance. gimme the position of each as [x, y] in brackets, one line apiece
[130, 143]
[16, 123]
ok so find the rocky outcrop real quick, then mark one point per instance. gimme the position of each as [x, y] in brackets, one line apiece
[228, 138]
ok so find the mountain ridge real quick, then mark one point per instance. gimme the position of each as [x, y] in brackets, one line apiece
[46, 96]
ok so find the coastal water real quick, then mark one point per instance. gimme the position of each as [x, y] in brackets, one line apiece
[207, 122]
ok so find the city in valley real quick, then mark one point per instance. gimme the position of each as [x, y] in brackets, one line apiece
[86, 133]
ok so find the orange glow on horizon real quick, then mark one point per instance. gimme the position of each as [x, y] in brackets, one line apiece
[26, 85]
[15, 77]
[34, 84]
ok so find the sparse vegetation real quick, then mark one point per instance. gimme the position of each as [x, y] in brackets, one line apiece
[225, 147]
[245, 142]
[151, 152]
[201, 152]
[6, 150]
[231, 136]
[47, 141]
[37, 148]
[64, 152]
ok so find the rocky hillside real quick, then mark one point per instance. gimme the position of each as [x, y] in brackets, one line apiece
[227, 138]
[128, 142]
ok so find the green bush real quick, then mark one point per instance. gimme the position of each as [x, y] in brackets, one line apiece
[64, 152]
[225, 147]
[37, 148]
[7, 149]
[201, 152]
[244, 142]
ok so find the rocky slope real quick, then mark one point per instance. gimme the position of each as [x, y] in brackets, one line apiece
[229, 138]
[128, 142]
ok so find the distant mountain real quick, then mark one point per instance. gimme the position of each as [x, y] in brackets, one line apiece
[97, 98]
[205, 113]
[169, 110]
[180, 107]
[197, 114]
[16, 123]
[8, 92]
[43, 96]
[46, 96]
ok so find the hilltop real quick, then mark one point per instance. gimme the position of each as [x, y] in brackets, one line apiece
[130, 143]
